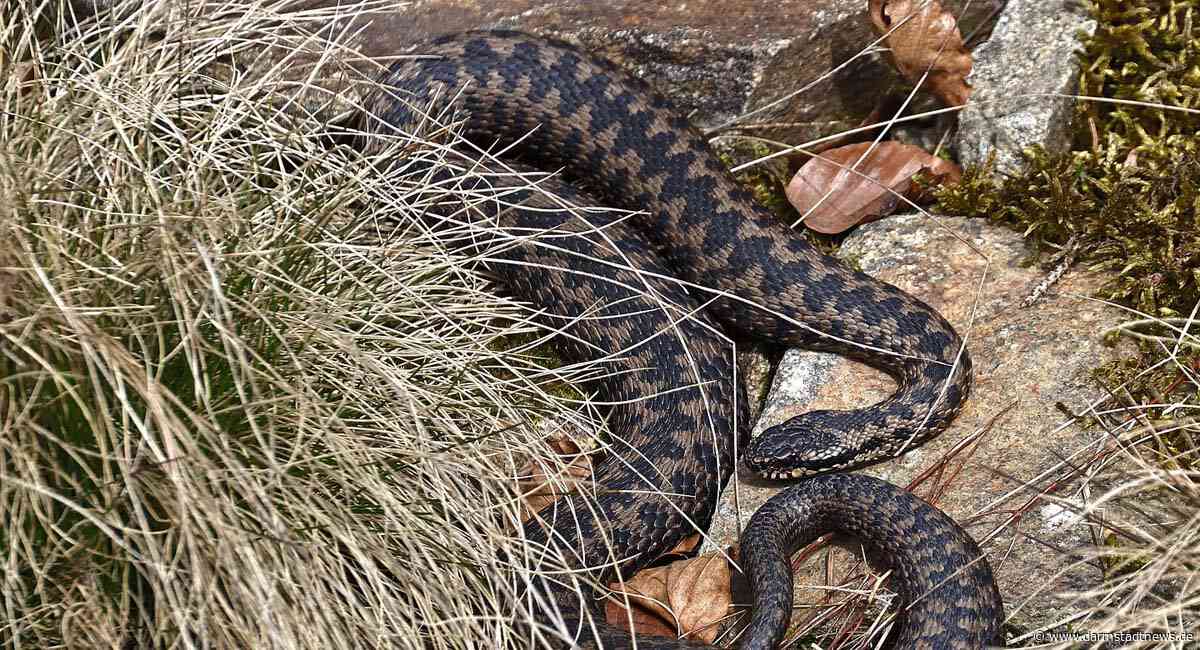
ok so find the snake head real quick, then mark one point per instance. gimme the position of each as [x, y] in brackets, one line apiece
[810, 444]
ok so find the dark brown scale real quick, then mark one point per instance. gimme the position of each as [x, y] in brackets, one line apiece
[613, 134]
[948, 594]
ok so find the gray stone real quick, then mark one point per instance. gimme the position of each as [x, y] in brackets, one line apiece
[1027, 362]
[717, 59]
[1018, 72]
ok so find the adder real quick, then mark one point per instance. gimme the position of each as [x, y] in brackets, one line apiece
[656, 297]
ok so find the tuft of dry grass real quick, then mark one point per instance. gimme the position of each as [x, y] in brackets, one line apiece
[238, 407]
[1141, 498]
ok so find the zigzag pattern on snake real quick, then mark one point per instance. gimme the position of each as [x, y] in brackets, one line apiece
[675, 409]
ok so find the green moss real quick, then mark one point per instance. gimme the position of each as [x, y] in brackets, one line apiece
[1126, 200]
[1137, 223]
[765, 182]
[1143, 51]
[1122, 562]
[1158, 384]
[1127, 197]
[544, 355]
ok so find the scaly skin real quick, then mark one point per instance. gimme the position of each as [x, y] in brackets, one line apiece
[672, 452]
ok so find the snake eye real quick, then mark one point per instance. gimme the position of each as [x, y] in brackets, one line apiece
[803, 446]
[770, 459]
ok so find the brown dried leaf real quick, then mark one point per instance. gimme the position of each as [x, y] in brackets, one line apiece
[645, 615]
[539, 488]
[687, 599]
[929, 40]
[23, 74]
[685, 545]
[867, 195]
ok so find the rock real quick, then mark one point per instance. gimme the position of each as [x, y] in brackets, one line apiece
[1027, 362]
[716, 59]
[754, 364]
[1029, 56]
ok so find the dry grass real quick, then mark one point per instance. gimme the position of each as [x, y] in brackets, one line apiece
[234, 411]
[1140, 495]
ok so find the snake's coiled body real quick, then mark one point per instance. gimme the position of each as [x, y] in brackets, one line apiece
[548, 104]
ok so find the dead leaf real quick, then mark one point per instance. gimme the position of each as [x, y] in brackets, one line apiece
[871, 193]
[23, 76]
[687, 599]
[540, 489]
[685, 545]
[928, 40]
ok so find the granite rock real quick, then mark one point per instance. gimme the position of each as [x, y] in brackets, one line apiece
[1022, 78]
[1030, 365]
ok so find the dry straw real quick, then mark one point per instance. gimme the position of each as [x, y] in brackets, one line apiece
[238, 407]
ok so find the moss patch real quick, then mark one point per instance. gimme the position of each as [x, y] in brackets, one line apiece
[1143, 51]
[1126, 200]
[1157, 386]
[1140, 224]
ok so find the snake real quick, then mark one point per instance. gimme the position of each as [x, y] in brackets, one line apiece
[657, 296]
